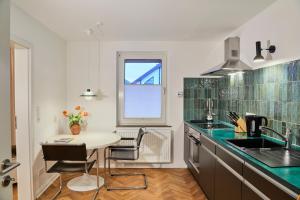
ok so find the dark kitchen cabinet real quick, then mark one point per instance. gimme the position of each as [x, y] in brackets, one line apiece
[223, 175]
[249, 194]
[227, 185]
[207, 171]
[264, 184]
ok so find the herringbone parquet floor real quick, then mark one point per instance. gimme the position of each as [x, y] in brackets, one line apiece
[163, 184]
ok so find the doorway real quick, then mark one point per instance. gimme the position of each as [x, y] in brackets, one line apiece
[20, 56]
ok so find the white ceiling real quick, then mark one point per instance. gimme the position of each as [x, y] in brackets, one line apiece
[144, 19]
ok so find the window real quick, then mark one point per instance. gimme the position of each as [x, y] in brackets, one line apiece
[141, 88]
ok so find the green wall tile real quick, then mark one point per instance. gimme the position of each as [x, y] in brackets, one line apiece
[273, 92]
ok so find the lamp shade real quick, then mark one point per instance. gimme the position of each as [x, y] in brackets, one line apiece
[88, 94]
[258, 57]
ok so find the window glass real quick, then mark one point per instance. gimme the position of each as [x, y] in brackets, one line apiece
[142, 72]
[141, 88]
[142, 81]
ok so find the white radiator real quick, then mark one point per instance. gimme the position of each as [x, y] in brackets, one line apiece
[155, 147]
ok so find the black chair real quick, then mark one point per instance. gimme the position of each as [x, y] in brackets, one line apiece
[69, 158]
[124, 152]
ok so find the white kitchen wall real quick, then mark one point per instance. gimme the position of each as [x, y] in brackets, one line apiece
[48, 73]
[278, 23]
[184, 59]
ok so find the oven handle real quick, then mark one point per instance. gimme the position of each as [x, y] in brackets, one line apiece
[194, 140]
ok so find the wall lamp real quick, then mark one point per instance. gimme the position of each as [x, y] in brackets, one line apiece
[88, 94]
[259, 58]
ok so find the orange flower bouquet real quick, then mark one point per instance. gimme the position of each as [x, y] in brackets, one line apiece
[75, 120]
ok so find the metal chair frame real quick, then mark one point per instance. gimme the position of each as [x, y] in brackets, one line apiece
[86, 171]
[108, 158]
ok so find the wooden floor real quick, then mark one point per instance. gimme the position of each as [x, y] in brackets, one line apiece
[15, 192]
[163, 184]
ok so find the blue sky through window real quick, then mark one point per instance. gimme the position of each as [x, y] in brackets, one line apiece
[133, 71]
[136, 70]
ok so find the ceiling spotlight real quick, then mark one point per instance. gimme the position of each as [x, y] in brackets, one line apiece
[259, 58]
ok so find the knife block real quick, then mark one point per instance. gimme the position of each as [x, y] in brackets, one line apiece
[241, 128]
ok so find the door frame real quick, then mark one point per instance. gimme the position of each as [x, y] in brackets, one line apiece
[29, 164]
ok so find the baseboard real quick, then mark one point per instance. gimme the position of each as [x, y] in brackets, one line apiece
[45, 186]
[144, 165]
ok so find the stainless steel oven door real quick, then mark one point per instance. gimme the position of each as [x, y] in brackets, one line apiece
[194, 152]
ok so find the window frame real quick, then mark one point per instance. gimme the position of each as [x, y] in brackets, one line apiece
[121, 120]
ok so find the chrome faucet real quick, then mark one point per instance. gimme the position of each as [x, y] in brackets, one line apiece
[210, 114]
[287, 138]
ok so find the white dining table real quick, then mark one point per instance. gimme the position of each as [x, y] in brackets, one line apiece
[93, 140]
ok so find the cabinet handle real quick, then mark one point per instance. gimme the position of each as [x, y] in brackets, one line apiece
[280, 186]
[231, 154]
[257, 191]
[219, 160]
[237, 175]
[208, 151]
[195, 141]
[222, 148]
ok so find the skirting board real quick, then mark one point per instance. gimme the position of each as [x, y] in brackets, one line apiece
[45, 186]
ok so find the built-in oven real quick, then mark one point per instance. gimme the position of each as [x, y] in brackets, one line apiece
[194, 144]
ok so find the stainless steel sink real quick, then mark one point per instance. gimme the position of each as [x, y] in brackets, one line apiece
[277, 157]
[209, 125]
[268, 152]
[254, 143]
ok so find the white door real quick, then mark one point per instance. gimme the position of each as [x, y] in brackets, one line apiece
[5, 133]
[21, 80]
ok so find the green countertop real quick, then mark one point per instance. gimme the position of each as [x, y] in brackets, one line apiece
[287, 176]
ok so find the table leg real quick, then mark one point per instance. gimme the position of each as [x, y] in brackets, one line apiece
[97, 161]
[87, 182]
[98, 186]
[105, 178]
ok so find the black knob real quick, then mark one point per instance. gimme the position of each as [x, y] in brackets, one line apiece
[6, 181]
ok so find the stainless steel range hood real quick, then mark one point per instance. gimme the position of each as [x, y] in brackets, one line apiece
[232, 61]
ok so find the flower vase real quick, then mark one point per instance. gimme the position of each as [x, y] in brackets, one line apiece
[75, 129]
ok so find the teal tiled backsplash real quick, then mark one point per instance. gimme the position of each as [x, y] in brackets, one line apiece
[273, 92]
[196, 92]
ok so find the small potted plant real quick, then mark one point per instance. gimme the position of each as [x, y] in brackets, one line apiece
[75, 120]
